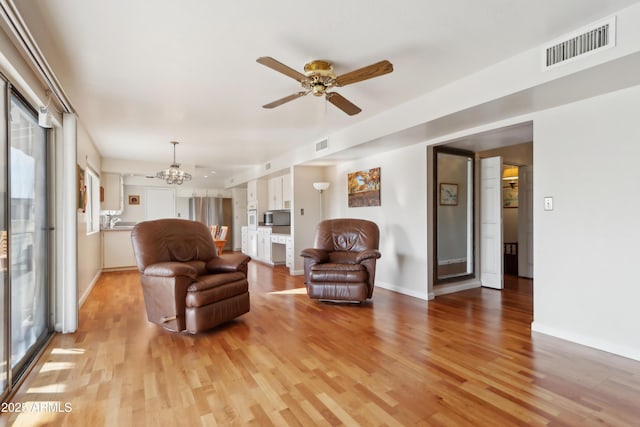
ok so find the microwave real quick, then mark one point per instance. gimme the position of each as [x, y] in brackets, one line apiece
[282, 217]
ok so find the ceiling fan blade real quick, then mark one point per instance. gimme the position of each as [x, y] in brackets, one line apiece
[268, 61]
[281, 101]
[364, 73]
[343, 103]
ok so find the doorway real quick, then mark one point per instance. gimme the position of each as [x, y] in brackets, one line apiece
[513, 206]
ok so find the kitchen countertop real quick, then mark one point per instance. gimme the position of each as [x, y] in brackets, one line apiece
[120, 226]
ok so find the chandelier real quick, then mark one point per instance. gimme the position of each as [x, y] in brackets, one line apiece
[174, 175]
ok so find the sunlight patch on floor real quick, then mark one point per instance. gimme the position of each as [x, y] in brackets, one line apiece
[57, 366]
[297, 291]
[72, 351]
[49, 388]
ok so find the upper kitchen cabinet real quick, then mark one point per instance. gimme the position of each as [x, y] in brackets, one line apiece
[257, 193]
[280, 192]
[112, 184]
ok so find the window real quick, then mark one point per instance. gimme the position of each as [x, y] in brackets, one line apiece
[92, 209]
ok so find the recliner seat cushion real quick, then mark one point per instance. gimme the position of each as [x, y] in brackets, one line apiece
[215, 287]
[332, 272]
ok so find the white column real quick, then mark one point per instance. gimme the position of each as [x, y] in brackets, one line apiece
[67, 289]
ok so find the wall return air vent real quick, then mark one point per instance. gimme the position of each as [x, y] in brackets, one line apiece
[322, 145]
[588, 40]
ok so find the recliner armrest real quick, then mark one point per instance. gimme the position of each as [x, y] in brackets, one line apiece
[318, 255]
[228, 262]
[368, 254]
[170, 269]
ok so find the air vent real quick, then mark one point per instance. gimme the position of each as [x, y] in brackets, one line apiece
[267, 166]
[595, 37]
[322, 145]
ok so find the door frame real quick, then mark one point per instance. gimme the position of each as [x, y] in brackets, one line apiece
[434, 210]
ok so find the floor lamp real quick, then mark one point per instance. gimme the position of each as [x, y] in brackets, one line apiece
[321, 186]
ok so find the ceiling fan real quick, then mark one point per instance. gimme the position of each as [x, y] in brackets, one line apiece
[318, 78]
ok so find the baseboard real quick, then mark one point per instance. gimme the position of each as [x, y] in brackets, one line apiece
[401, 290]
[84, 296]
[589, 341]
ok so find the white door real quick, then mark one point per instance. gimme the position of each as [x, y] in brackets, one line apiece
[159, 203]
[525, 221]
[491, 222]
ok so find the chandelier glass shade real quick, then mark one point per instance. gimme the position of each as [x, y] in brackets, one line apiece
[174, 175]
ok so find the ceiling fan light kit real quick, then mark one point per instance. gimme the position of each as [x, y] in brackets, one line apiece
[319, 77]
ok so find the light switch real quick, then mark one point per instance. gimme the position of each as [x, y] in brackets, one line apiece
[548, 203]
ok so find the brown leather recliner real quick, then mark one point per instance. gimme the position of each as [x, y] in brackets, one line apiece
[186, 285]
[342, 264]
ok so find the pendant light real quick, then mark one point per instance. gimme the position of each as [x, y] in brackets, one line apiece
[174, 175]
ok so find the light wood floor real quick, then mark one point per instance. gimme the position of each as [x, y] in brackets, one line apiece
[466, 359]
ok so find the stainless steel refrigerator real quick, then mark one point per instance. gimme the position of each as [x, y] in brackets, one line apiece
[213, 211]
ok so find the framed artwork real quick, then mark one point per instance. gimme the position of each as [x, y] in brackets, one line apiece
[134, 199]
[510, 197]
[363, 188]
[82, 189]
[448, 194]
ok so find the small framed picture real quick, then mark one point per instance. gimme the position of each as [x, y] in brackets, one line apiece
[448, 194]
[134, 199]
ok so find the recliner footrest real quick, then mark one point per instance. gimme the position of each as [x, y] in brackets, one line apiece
[330, 272]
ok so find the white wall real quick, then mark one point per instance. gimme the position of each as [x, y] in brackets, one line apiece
[305, 210]
[402, 217]
[586, 250]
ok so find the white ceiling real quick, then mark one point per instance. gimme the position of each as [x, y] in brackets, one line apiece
[141, 73]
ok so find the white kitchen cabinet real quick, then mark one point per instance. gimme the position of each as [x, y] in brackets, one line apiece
[264, 244]
[257, 192]
[289, 252]
[270, 246]
[252, 243]
[280, 192]
[245, 240]
[278, 252]
[113, 186]
[286, 191]
[275, 193]
[117, 250]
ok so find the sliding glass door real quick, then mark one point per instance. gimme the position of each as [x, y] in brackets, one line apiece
[28, 234]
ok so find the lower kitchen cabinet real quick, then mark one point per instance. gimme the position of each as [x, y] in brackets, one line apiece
[117, 250]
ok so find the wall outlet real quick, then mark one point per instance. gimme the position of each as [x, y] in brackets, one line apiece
[548, 203]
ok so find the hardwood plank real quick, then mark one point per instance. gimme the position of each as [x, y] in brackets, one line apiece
[463, 359]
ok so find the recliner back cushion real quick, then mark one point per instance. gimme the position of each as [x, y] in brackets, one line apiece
[346, 234]
[165, 240]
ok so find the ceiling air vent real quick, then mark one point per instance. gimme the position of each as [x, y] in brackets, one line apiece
[595, 37]
[322, 145]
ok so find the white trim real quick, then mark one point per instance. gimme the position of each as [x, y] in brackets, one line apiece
[402, 290]
[589, 341]
[86, 293]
